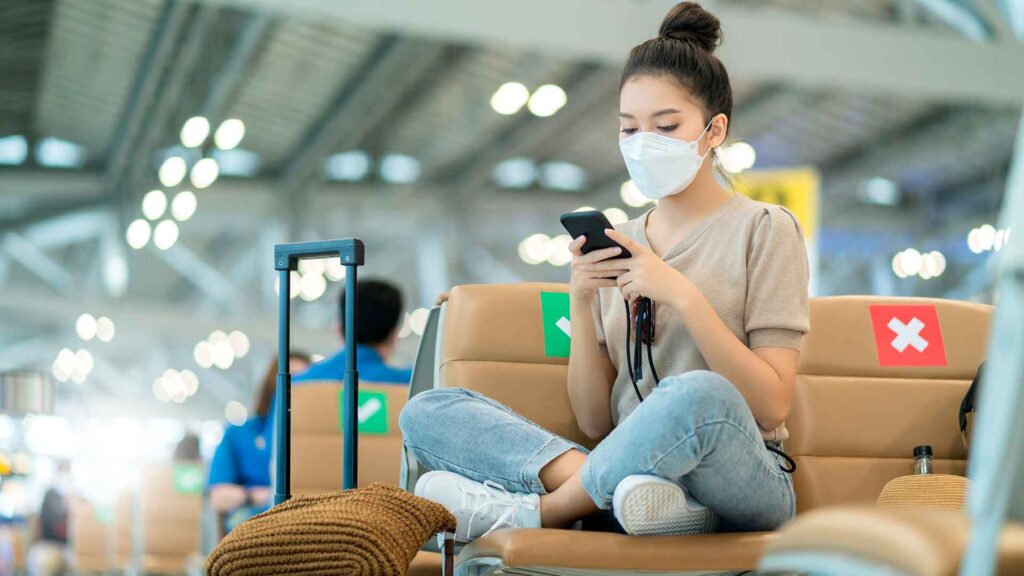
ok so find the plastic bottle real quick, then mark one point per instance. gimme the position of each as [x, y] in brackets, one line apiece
[923, 459]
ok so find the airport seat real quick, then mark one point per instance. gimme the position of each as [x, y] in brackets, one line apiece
[170, 512]
[88, 537]
[317, 441]
[853, 425]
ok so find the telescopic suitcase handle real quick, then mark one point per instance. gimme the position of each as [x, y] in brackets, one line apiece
[286, 259]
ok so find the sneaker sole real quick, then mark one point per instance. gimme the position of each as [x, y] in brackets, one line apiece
[661, 508]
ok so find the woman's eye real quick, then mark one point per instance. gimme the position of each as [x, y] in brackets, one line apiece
[668, 128]
[628, 130]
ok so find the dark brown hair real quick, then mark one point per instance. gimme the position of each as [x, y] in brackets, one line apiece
[684, 50]
[266, 394]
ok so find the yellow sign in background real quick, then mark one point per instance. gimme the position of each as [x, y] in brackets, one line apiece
[796, 189]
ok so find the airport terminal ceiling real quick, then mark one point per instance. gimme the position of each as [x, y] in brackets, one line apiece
[409, 137]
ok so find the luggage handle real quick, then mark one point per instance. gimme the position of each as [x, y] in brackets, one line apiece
[286, 259]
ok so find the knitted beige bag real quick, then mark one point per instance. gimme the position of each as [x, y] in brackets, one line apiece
[372, 531]
[932, 491]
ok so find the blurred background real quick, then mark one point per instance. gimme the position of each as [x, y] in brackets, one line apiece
[153, 151]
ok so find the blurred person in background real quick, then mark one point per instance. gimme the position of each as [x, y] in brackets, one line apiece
[47, 553]
[378, 321]
[187, 448]
[239, 483]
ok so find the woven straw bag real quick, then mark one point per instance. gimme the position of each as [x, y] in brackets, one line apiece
[931, 491]
[372, 531]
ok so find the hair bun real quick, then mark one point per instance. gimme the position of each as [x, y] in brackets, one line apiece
[689, 22]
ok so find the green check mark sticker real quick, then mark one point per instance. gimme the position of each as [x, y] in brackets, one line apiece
[371, 411]
[188, 479]
[557, 326]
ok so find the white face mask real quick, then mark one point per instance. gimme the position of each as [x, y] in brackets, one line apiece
[661, 166]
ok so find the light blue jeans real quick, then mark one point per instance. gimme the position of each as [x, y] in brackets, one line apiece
[695, 429]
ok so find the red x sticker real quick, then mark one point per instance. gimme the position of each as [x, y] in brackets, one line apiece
[907, 335]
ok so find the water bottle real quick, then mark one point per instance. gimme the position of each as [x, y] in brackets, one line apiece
[923, 459]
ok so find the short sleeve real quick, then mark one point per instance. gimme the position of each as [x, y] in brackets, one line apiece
[602, 339]
[776, 312]
[224, 466]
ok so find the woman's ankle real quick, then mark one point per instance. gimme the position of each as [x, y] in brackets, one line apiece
[559, 470]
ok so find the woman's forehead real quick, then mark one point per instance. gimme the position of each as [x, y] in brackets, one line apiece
[645, 95]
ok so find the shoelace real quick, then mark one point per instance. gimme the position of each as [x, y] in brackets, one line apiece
[493, 494]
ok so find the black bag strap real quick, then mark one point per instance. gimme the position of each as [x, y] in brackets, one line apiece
[968, 404]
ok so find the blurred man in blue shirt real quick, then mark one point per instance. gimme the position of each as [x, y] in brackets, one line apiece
[378, 320]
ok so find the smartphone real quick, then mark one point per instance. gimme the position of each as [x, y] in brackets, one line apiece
[592, 224]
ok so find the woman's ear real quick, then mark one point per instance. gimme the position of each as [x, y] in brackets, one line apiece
[719, 128]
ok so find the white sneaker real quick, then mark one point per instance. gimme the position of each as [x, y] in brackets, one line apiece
[479, 508]
[650, 505]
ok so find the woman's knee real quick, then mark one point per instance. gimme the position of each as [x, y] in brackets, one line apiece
[702, 391]
[423, 408]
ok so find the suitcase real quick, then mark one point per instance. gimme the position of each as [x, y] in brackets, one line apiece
[286, 259]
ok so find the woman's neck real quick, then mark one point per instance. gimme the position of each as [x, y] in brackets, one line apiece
[702, 197]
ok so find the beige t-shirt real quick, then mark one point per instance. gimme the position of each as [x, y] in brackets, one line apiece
[749, 260]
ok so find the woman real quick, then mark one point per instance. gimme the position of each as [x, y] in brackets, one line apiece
[728, 278]
[240, 471]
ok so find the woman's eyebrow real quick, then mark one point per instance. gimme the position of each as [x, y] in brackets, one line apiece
[665, 111]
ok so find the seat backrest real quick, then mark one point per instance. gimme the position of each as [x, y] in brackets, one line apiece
[861, 404]
[170, 514]
[504, 341]
[89, 536]
[317, 445]
[874, 383]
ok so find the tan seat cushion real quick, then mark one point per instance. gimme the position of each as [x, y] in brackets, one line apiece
[918, 542]
[603, 550]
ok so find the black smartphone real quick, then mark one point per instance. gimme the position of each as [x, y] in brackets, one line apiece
[592, 224]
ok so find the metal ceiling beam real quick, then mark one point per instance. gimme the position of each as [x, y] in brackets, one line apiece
[151, 71]
[394, 68]
[959, 17]
[998, 20]
[37, 262]
[762, 44]
[225, 87]
[205, 277]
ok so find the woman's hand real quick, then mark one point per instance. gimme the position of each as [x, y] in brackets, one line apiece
[584, 283]
[645, 273]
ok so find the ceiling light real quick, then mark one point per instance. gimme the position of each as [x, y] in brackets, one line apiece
[313, 265]
[184, 205]
[56, 153]
[223, 355]
[239, 343]
[880, 191]
[229, 134]
[974, 241]
[194, 131]
[509, 98]
[66, 360]
[59, 372]
[165, 234]
[237, 162]
[547, 100]
[515, 173]
[616, 216]
[204, 173]
[562, 176]
[399, 169]
[216, 337]
[203, 354]
[558, 252]
[312, 286]
[348, 166]
[418, 320]
[13, 150]
[104, 329]
[631, 195]
[235, 413]
[138, 233]
[737, 157]
[986, 236]
[191, 381]
[83, 361]
[153, 204]
[335, 270]
[85, 327]
[172, 171]
[535, 248]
